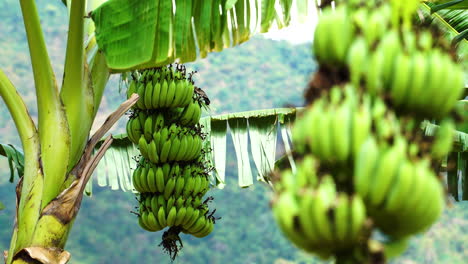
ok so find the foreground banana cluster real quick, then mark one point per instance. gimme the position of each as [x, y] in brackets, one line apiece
[171, 174]
[364, 181]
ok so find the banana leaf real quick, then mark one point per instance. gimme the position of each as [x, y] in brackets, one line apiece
[147, 33]
[263, 136]
[455, 21]
[15, 159]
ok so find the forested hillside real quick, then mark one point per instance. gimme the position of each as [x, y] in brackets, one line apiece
[259, 74]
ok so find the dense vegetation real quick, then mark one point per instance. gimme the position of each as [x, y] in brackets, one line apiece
[244, 78]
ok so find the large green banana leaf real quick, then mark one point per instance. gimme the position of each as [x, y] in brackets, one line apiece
[149, 33]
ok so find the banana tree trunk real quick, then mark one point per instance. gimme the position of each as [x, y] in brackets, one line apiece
[41, 238]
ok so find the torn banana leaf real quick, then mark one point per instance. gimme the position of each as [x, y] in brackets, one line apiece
[148, 33]
[239, 133]
[263, 134]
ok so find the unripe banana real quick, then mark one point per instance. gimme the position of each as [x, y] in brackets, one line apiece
[156, 95]
[171, 217]
[365, 166]
[163, 94]
[162, 217]
[143, 146]
[209, 225]
[131, 88]
[175, 148]
[136, 180]
[357, 60]
[170, 94]
[341, 220]
[170, 185]
[148, 95]
[151, 180]
[143, 179]
[153, 223]
[181, 212]
[148, 128]
[401, 79]
[141, 92]
[153, 152]
[386, 172]
[179, 186]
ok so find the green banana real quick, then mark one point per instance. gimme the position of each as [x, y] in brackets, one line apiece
[386, 172]
[358, 217]
[401, 80]
[175, 148]
[365, 165]
[141, 92]
[148, 95]
[136, 180]
[341, 220]
[171, 217]
[170, 185]
[180, 216]
[160, 179]
[163, 94]
[148, 128]
[153, 152]
[143, 145]
[179, 186]
[156, 95]
[357, 60]
[153, 223]
[131, 89]
[165, 151]
[170, 94]
[162, 217]
[151, 178]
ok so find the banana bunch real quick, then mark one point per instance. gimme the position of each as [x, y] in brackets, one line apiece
[334, 127]
[171, 176]
[314, 215]
[157, 212]
[333, 36]
[170, 179]
[161, 88]
[404, 197]
[389, 60]
[363, 162]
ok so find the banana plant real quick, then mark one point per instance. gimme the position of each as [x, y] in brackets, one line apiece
[58, 153]
[58, 156]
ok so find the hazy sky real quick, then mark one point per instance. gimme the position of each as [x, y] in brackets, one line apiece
[297, 32]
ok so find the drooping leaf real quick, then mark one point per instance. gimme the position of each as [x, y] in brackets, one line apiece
[268, 14]
[147, 33]
[286, 121]
[263, 135]
[239, 133]
[126, 30]
[218, 145]
[15, 159]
